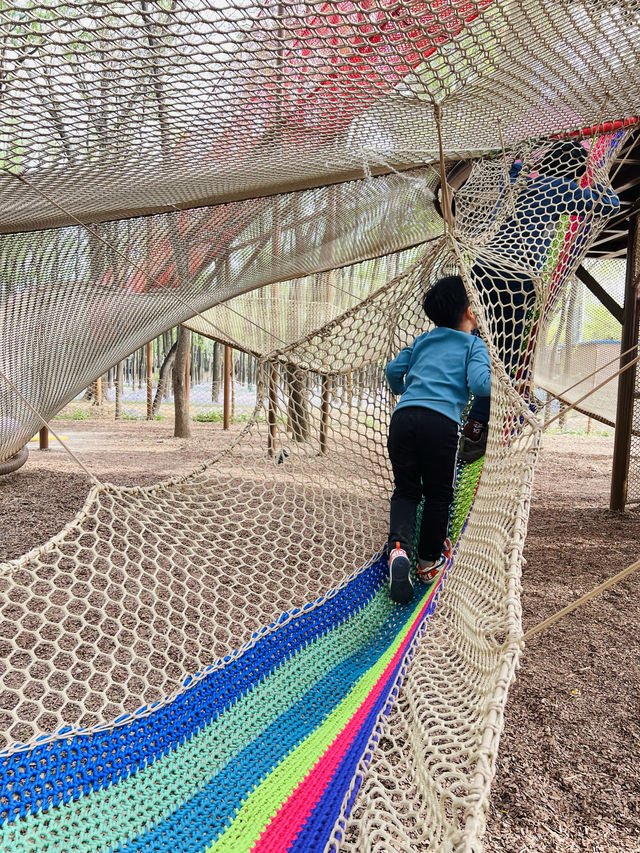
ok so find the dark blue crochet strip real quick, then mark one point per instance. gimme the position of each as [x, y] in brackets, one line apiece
[61, 771]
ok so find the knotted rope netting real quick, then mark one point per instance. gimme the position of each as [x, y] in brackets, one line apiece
[213, 663]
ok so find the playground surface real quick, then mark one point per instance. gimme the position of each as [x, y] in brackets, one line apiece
[567, 769]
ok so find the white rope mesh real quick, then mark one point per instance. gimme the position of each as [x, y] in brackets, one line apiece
[152, 107]
[89, 301]
[265, 172]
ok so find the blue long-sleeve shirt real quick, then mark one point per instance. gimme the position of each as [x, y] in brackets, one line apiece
[439, 370]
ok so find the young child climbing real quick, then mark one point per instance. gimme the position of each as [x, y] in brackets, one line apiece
[435, 376]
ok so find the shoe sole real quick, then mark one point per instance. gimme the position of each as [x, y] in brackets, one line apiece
[400, 586]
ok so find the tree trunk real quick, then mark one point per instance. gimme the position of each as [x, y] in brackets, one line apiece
[297, 406]
[119, 378]
[163, 379]
[215, 372]
[91, 393]
[182, 424]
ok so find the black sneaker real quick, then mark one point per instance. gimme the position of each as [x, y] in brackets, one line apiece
[400, 586]
[472, 449]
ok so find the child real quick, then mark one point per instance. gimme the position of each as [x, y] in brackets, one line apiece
[434, 376]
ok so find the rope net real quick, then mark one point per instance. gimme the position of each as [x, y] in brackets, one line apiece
[138, 108]
[582, 344]
[214, 662]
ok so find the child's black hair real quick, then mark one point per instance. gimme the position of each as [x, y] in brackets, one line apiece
[445, 302]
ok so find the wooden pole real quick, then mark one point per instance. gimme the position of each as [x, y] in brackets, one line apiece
[232, 381]
[324, 422]
[44, 438]
[98, 398]
[119, 380]
[273, 402]
[226, 396]
[149, 381]
[187, 376]
[626, 383]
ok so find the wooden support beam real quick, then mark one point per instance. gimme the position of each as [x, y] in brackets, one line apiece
[187, 376]
[324, 420]
[149, 380]
[599, 292]
[626, 383]
[119, 382]
[273, 402]
[226, 397]
[44, 438]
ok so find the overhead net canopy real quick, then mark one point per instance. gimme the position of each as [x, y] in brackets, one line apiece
[138, 108]
[214, 663]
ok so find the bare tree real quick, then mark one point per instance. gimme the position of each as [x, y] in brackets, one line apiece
[182, 423]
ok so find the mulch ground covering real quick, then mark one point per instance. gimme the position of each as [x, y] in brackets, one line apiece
[568, 766]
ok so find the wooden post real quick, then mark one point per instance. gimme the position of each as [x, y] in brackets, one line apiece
[187, 377]
[226, 397]
[324, 421]
[119, 380]
[232, 381]
[44, 438]
[273, 402]
[626, 382]
[149, 381]
[98, 398]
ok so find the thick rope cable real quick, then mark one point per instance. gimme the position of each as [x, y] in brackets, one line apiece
[582, 600]
[447, 213]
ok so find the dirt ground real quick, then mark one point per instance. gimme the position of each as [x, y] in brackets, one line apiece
[568, 765]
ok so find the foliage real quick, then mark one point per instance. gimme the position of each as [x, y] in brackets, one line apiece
[73, 415]
[215, 417]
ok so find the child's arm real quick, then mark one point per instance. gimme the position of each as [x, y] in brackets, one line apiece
[397, 368]
[479, 369]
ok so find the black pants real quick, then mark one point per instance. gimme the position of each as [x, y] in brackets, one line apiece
[422, 445]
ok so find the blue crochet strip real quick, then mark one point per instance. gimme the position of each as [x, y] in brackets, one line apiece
[317, 829]
[61, 771]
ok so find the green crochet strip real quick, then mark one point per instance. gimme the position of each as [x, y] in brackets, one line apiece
[466, 485]
[106, 819]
